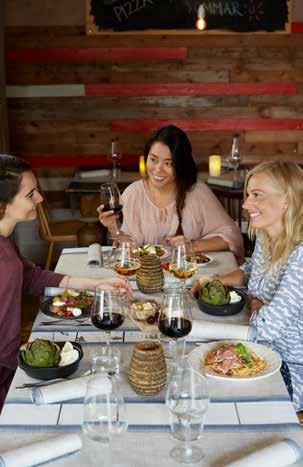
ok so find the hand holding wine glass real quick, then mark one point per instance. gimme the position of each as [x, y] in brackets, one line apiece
[187, 399]
[111, 206]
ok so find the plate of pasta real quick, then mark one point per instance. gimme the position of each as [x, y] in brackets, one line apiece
[235, 360]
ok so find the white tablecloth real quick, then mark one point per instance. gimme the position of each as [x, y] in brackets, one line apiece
[242, 416]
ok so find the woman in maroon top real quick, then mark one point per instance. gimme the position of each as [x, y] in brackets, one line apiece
[19, 197]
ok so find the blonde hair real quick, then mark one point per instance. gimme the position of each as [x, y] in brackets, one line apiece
[288, 177]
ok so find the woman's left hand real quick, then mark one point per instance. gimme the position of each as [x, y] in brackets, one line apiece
[111, 283]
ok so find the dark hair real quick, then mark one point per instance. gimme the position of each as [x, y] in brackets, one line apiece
[183, 162]
[11, 169]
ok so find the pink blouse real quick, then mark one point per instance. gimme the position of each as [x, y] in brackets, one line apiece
[203, 217]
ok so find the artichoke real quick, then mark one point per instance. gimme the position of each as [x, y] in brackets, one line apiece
[41, 353]
[214, 293]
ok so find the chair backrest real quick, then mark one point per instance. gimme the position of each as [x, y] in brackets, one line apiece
[44, 222]
[232, 201]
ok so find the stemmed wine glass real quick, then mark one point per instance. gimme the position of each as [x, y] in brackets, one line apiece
[183, 263]
[175, 319]
[111, 198]
[108, 313]
[126, 260]
[187, 399]
[114, 155]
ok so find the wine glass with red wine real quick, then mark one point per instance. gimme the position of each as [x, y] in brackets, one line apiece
[108, 313]
[111, 199]
[175, 320]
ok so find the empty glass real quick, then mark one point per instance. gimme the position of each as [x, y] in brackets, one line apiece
[104, 409]
[187, 399]
[115, 155]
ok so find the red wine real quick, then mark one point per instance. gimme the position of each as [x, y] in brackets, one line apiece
[175, 327]
[116, 209]
[108, 321]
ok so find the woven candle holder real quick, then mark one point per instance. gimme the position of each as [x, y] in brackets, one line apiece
[150, 275]
[147, 369]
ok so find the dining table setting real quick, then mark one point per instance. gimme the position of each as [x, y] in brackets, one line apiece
[134, 383]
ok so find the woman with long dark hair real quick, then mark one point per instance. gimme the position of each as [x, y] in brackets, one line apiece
[171, 202]
[19, 197]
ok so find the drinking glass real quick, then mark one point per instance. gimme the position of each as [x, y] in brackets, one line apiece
[183, 263]
[108, 310]
[187, 399]
[110, 197]
[115, 155]
[175, 320]
[104, 409]
[126, 260]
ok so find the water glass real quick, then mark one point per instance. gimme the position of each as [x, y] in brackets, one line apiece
[107, 360]
[104, 409]
[187, 399]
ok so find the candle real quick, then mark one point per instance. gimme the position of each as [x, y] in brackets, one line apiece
[142, 166]
[214, 163]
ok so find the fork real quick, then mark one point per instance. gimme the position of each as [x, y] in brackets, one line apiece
[65, 321]
[39, 384]
[54, 323]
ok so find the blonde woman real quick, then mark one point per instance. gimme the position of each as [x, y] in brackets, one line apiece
[274, 277]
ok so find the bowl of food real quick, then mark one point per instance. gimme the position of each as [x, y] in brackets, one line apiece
[214, 298]
[44, 360]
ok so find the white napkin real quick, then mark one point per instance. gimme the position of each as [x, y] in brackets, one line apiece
[67, 390]
[217, 331]
[280, 454]
[41, 451]
[94, 173]
[94, 255]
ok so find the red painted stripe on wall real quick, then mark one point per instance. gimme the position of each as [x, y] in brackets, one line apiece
[297, 27]
[210, 125]
[187, 89]
[66, 160]
[91, 54]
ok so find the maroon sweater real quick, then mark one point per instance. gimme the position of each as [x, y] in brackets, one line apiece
[17, 275]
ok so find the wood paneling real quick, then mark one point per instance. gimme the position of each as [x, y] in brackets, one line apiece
[209, 85]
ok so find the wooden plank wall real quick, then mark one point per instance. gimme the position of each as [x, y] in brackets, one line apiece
[69, 94]
[3, 110]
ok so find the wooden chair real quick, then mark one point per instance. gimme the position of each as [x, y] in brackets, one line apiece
[231, 199]
[56, 231]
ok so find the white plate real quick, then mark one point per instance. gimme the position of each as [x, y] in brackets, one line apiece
[273, 359]
[166, 251]
[203, 265]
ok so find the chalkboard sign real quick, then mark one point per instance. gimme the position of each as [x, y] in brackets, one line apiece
[234, 15]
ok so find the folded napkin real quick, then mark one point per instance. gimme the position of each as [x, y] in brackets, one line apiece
[94, 255]
[94, 173]
[217, 331]
[42, 451]
[67, 390]
[280, 454]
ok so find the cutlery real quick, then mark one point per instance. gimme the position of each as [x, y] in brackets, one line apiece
[39, 384]
[64, 321]
[53, 323]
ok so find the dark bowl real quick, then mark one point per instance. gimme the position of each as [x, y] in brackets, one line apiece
[52, 372]
[222, 310]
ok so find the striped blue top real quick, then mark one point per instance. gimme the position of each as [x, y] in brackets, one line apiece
[279, 322]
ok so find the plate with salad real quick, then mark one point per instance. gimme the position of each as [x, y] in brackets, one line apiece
[152, 249]
[70, 304]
